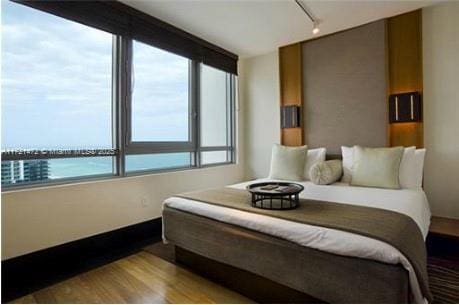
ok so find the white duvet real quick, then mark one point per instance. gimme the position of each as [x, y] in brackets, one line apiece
[412, 203]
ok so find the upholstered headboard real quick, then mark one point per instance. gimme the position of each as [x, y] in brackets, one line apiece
[333, 157]
[344, 89]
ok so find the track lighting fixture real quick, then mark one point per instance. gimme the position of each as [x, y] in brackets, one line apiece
[315, 22]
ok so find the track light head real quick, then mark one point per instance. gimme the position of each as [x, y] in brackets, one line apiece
[315, 28]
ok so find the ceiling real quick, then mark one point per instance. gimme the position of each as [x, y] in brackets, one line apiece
[254, 27]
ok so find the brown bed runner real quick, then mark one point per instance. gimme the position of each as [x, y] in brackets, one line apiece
[391, 227]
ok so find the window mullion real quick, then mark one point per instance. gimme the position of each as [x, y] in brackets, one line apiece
[116, 101]
[123, 88]
[197, 104]
[233, 130]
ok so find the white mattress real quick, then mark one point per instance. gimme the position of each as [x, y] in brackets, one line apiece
[412, 203]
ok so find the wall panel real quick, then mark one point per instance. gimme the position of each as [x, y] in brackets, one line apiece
[344, 83]
[404, 47]
[291, 76]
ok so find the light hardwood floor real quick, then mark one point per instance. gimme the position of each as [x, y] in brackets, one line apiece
[139, 278]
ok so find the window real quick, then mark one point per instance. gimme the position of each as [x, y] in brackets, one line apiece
[56, 94]
[160, 99]
[214, 157]
[56, 82]
[80, 102]
[214, 107]
[216, 95]
[163, 116]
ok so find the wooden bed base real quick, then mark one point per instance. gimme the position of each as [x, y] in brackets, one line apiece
[253, 286]
[266, 259]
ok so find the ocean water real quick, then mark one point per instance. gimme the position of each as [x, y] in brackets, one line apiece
[90, 166]
[93, 166]
[75, 167]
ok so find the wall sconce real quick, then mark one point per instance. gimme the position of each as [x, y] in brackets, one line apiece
[290, 116]
[405, 107]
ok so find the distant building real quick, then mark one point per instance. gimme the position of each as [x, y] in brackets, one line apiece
[24, 171]
[12, 171]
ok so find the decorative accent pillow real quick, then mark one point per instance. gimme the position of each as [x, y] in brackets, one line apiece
[377, 167]
[326, 172]
[348, 159]
[314, 155]
[287, 163]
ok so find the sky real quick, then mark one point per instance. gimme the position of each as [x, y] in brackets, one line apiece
[56, 85]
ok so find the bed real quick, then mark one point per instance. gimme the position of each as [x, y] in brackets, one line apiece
[328, 264]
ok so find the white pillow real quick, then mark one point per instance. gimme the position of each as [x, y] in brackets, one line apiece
[314, 155]
[377, 167]
[410, 172]
[407, 166]
[287, 163]
[419, 155]
[348, 159]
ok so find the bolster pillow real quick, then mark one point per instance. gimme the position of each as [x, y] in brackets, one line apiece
[326, 172]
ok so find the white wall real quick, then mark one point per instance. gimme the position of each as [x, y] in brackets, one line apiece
[39, 218]
[441, 107]
[259, 81]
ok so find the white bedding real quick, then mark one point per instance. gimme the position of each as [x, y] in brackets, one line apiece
[412, 203]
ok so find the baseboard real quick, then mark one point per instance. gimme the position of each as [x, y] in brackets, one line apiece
[27, 273]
